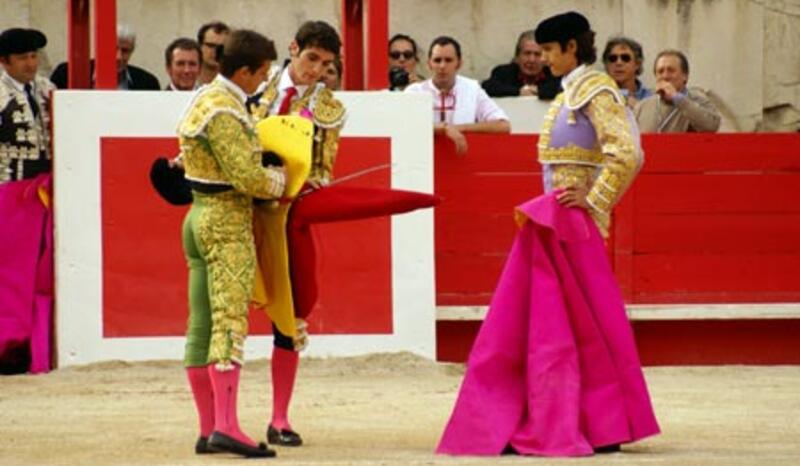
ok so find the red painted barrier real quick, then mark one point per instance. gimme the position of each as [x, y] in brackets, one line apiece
[713, 219]
[144, 271]
[710, 219]
[474, 225]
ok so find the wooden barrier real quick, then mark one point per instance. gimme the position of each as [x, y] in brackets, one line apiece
[711, 220]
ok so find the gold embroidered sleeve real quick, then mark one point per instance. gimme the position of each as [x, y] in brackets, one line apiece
[621, 160]
[325, 155]
[239, 157]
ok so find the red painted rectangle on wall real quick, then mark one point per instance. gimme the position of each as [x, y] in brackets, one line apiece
[144, 270]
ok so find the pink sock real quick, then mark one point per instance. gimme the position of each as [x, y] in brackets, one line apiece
[203, 393]
[226, 389]
[284, 371]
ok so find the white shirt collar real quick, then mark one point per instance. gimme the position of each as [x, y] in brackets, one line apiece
[232, 87]
[18, 85]
[572, 76]
[452, 90]
[286, 82]
[173, 88]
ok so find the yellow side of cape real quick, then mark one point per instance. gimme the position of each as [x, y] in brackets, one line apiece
[291, 138]
[273, 288]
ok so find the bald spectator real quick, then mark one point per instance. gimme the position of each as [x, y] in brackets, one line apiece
[525, 75]
[211, 36]
[183, 59]
[129, 77]
[674, 108]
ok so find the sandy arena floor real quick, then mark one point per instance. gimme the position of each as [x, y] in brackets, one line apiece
[382, 409]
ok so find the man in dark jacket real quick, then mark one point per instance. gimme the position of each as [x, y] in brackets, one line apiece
[525, 75]
[129, 77]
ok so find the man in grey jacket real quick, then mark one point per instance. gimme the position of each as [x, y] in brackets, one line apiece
[674, 108]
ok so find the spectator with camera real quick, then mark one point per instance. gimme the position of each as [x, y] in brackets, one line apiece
[403, 61]
[459, 103]
[525, 75]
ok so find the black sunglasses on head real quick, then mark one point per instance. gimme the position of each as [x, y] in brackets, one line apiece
[407, 54]
[625, 57]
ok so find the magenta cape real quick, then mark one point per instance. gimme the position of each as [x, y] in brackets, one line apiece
[554, 369]
[26, 269]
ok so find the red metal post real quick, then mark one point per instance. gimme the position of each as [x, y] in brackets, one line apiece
[105, 44]
[78, 45]
[377, 59]
[352, 45]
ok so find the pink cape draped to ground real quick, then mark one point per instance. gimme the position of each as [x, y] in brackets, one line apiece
[26, 269]
[554, 370]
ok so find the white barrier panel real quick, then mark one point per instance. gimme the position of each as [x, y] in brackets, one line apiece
[84, 117]
[526, 114]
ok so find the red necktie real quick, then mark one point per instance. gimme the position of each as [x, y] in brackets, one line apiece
[287, 101]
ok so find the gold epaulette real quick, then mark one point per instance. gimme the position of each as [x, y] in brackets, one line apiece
[328, 110]
[587, 86]
[210, 101]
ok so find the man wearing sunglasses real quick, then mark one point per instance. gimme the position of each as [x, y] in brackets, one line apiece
[403, 61]
[459, 103]
[674, 108]
[623, 59]
[211, 36]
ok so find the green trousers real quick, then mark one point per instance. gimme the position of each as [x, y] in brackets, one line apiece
[218, 244]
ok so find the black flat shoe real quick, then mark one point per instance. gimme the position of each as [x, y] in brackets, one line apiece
[283, 437]
[509, 450]
[202, 448]
[613, 448]
[221, 442]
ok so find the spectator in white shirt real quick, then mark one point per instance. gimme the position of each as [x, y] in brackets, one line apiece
[459, 103]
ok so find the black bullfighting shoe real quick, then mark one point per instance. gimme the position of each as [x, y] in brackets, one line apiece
[221, 442]
[202, 448]
[613, 448]
[283, 437]
[509, 450]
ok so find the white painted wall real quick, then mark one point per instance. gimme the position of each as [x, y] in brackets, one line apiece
[83, 117]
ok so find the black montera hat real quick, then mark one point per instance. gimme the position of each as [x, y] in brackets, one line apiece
[18, 40]
[170, 183]
[561, 28]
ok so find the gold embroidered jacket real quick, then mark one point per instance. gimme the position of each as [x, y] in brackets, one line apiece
[589, 138]
[219, 145]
